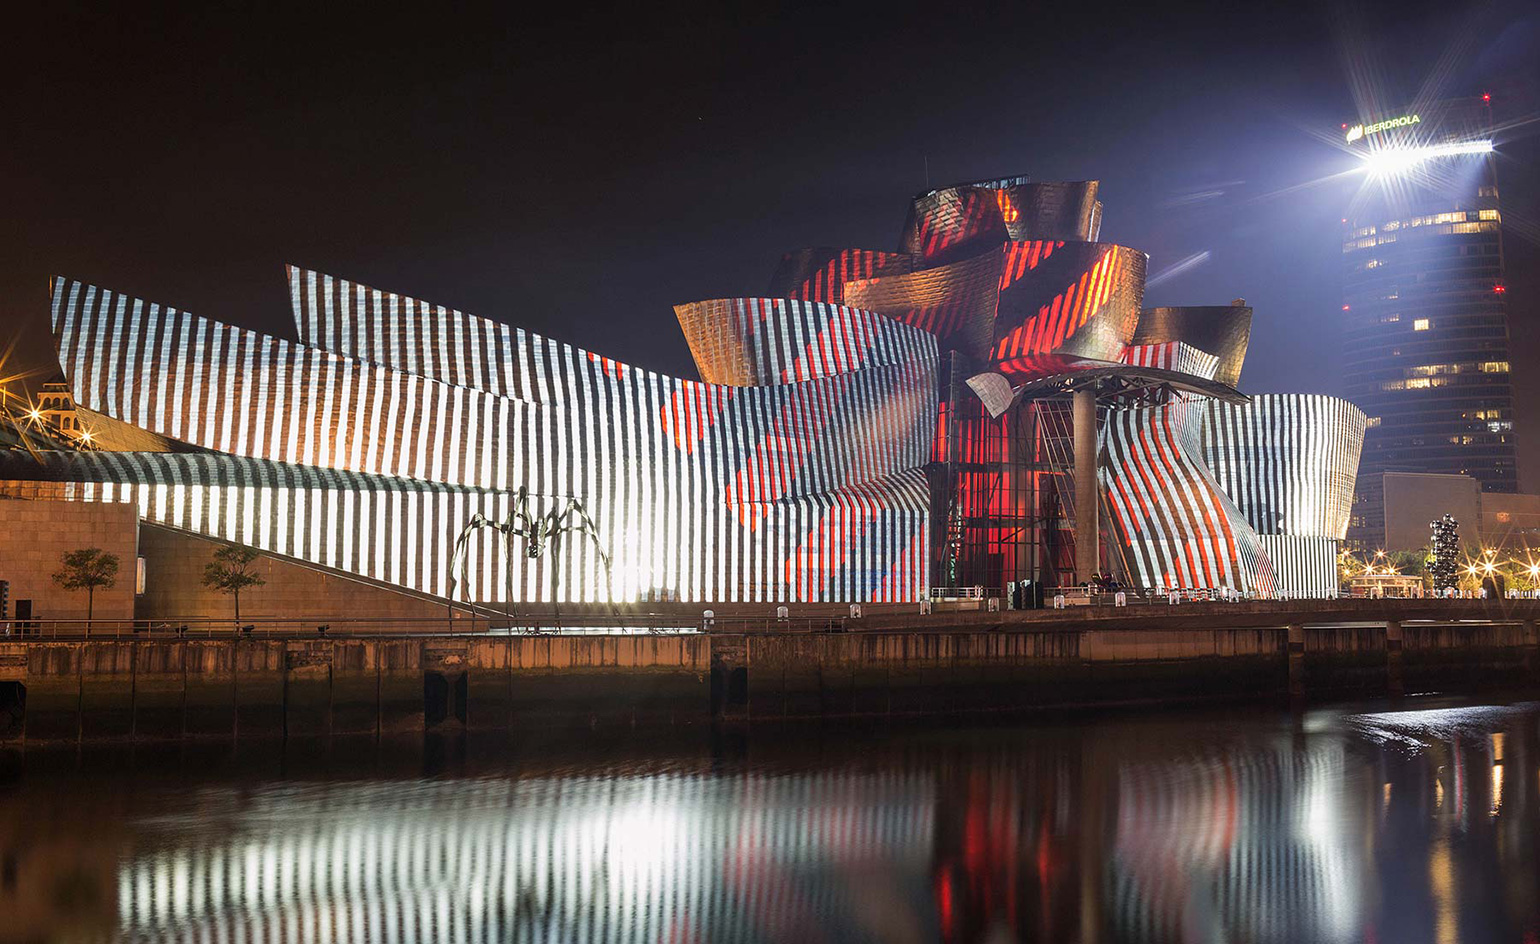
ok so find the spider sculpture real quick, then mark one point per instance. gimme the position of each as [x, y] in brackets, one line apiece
[538, 532]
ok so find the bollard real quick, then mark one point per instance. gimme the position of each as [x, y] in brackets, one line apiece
[782, 612]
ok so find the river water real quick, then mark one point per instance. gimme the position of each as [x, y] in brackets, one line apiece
[1360, 824]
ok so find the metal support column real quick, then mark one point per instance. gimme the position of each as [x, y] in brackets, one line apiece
[1087, 508]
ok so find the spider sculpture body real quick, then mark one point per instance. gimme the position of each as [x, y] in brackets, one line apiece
[538, 531]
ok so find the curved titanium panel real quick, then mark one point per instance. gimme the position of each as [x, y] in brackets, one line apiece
[1173, 355]
[1221, 330]
[1289, 460]
[959, 221]
[954, 302]
[745, 342]
[820, 274]
[1177, 525]
[1066, 298]
[236, 391]
[954, 223]
[659, 462]
[1058, 209]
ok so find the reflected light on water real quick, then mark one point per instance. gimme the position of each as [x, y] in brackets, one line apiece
[1193, 831]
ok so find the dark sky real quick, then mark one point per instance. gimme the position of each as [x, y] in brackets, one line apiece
[579, 173]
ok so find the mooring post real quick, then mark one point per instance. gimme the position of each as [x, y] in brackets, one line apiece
[1296, 660]
[1393, 656]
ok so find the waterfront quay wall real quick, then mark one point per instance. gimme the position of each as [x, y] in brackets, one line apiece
[135, 688]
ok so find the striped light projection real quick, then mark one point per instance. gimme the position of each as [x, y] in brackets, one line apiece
[793, 472]
[1289, 461]
[819, 275]
[1222, 330]
[1176, 524]
[955, 223]
[956, 303]
[1079, 299]
[788, 492]
[1172, 356]
[753, 341]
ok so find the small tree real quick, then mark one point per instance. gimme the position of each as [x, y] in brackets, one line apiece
[230, 572]
[88, 569]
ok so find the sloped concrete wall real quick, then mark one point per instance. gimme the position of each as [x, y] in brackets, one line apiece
[174, 590]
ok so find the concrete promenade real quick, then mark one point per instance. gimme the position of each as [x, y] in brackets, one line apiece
[888, 664]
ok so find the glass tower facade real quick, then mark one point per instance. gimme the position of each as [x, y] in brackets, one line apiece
[1426, 324]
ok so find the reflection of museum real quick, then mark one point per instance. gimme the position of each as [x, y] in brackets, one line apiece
[885, 423]
[1128, 830]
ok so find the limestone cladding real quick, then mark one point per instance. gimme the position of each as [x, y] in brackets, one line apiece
[174, 590]
[34, 535]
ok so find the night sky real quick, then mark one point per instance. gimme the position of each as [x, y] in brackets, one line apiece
[581, 173]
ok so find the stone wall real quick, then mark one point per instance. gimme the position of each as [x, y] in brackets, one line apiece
[159, 689]
[174, 590]
[166, 688]
[35, 534]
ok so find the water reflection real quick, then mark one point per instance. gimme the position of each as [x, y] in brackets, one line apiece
[1404, 826]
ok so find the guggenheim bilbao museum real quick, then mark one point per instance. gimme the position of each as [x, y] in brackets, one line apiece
[986, 406]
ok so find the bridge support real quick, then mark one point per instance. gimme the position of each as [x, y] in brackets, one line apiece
[1393, 657]
[1087, 508]
[1296, 660]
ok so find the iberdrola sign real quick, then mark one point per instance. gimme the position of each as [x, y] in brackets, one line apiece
[1359, 131]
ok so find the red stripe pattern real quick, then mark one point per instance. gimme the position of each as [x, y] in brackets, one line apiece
[757, 341]
[956, 303]
[819, 275]
[1179, 527]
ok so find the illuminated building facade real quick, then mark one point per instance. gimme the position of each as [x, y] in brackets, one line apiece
[1425, 339]
[963, 412]
[1289, 461]
[368, 445]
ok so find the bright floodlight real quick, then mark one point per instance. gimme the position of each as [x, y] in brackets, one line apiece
[1397, 160]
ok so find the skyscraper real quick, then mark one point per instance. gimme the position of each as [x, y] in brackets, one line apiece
[1425, 335]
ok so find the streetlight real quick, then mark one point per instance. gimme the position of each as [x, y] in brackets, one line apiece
[1393, 161]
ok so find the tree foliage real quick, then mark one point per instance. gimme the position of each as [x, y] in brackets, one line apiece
[89, 568]
[230, 570]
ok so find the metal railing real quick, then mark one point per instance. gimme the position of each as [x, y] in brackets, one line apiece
[311, 629]
[959, 593]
